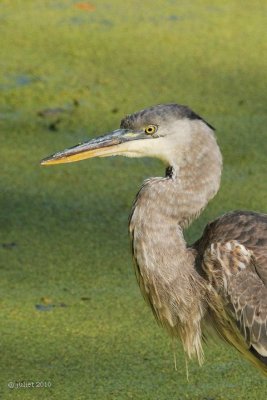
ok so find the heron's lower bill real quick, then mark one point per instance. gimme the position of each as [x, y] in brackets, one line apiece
[77, 154]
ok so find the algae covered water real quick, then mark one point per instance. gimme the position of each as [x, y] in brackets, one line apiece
[73, 323]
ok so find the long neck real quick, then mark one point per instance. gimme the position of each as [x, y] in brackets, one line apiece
[163, 208]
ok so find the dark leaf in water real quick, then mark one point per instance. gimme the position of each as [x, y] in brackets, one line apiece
[53, 126]
[9, 246]
[62, 305]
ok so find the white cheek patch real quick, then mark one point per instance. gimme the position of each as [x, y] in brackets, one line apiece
[168, 146]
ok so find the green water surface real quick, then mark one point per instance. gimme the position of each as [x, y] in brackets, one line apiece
[71, 314]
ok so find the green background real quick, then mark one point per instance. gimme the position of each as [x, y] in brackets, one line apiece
[70, 309]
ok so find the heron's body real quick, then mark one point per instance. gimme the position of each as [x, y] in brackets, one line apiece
[221, 280]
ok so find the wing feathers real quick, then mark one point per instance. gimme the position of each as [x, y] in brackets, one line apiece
[231, 269]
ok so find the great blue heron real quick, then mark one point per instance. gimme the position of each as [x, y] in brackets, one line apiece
[221, 280]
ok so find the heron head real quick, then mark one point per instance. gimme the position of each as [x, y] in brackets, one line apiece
[162, 131]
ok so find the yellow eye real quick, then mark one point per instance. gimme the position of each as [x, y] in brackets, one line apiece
[151, 129]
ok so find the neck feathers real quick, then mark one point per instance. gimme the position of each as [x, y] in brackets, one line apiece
[164, 264]
[187, 187]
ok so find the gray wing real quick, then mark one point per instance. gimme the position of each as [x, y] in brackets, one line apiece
[233, 258]
[247, 227]
[248, 295]
[231, 270]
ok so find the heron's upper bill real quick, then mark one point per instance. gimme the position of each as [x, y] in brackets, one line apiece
[111, 144]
